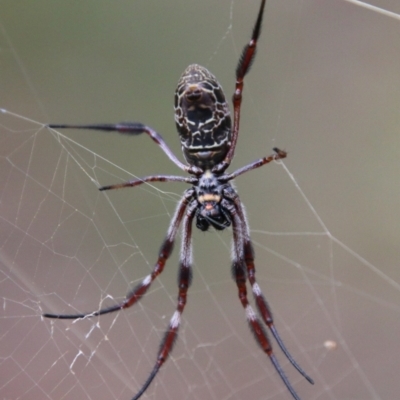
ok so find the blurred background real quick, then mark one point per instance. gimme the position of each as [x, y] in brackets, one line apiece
[325, 86]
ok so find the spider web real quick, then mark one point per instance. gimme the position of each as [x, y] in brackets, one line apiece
[324, 223]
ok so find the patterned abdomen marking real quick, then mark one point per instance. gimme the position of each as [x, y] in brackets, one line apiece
[202, 117]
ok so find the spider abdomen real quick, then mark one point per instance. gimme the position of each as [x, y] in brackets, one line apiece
[202, 117]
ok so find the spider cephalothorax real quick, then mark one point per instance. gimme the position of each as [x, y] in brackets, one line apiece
[208, 143]
[209, 193]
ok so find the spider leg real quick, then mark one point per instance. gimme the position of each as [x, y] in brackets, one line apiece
[165, 251]
[184, 280]
[153, 178]
[279, 154]
[242, 69]
[130, 128]
[264, 309]
[239, 274]
[262, 305]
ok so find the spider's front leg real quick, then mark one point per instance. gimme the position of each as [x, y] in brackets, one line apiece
[248, 258]
[243, 262]
[165, 251]
[262, 305]
[184, 280]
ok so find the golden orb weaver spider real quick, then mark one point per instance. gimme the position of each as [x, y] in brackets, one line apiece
[208, 143]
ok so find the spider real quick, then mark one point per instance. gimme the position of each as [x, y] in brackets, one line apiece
[208, 143]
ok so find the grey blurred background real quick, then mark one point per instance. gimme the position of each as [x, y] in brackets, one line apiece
[325, 86]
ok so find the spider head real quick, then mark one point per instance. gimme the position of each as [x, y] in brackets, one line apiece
[211, 213]
[209, 196]
[202, 117]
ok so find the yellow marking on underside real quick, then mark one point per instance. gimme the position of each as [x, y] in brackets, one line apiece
[209, 197]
